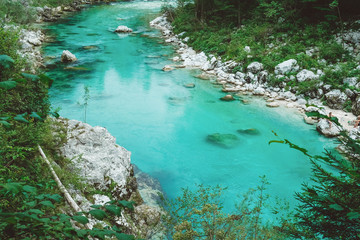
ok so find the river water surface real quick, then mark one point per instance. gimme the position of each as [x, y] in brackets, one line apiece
[162, 123]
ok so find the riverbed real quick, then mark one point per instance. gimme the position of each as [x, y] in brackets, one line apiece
[164, 124]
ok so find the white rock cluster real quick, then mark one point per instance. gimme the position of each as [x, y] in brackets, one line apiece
[97, 156]
[31, 42]
[255, 79]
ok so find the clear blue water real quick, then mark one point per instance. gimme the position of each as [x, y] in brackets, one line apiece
[161, 122]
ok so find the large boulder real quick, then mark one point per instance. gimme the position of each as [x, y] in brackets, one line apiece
[255, 67]
[306, 75]
[97, 157]
[287, 67]
[223, 140]
[336, 99]
[263, 77]
[327, 129]
[123, 29]
[67, 56]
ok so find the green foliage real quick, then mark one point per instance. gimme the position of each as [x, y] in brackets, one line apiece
[199, 215]
[333, 52]
[36, 218]
[330, 206]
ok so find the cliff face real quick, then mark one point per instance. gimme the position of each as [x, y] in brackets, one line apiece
[107, 167]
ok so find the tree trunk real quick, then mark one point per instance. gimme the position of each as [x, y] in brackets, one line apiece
[62, 188]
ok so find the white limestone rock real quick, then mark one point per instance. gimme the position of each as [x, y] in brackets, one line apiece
[272, 104]
[255, 67]
[326, 129]
[306, 75]
[287, 67]
[351, 81]
[336, 99]
[167, 68]
[67, 56]
[94, 152]
[123, 29]
[259, 91]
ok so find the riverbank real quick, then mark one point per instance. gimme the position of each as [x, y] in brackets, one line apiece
[114, 178]
[253, 81]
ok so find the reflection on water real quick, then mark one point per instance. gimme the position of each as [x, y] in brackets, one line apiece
[165, 125]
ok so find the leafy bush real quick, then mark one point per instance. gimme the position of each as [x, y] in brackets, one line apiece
[36, 218]
[199, 215]
[333, 52]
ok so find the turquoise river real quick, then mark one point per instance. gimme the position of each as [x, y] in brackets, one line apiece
[162, 123]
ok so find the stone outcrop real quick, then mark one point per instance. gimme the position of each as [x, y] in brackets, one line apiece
[287, 67]
[100, 162]
[255, 67]
[67, 57]
[306, 75]
[327, 129]
[336, 99]
[95, 152]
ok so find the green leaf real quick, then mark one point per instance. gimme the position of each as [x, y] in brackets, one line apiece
[127, 204]
[113, 209]
[98, 214]
[31, 204]
[20, 118]
[80, 219]
[123, 236]
[55, 197]
[337, 207]
[82, 233]
[31, 77]
[353, 215]
[46, 80]
[96, 206]
[5, 124]
[54, 114]
[36, 211]
[36, 116]
[6, 61]
[14, 187]
[275, 141]
[29, 189]
[7, 85]
[47, 204]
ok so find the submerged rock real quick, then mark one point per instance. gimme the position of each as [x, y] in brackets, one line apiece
[223, 140]
[167, 68]
[203, 76]
[123, 29]
[227, 98]
[91, 47]
[189, 85]
[249, 131]
[77, 68]
[67, 56]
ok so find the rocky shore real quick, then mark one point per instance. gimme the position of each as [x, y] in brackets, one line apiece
[254, 81]
[95, 156]
[106, 166]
